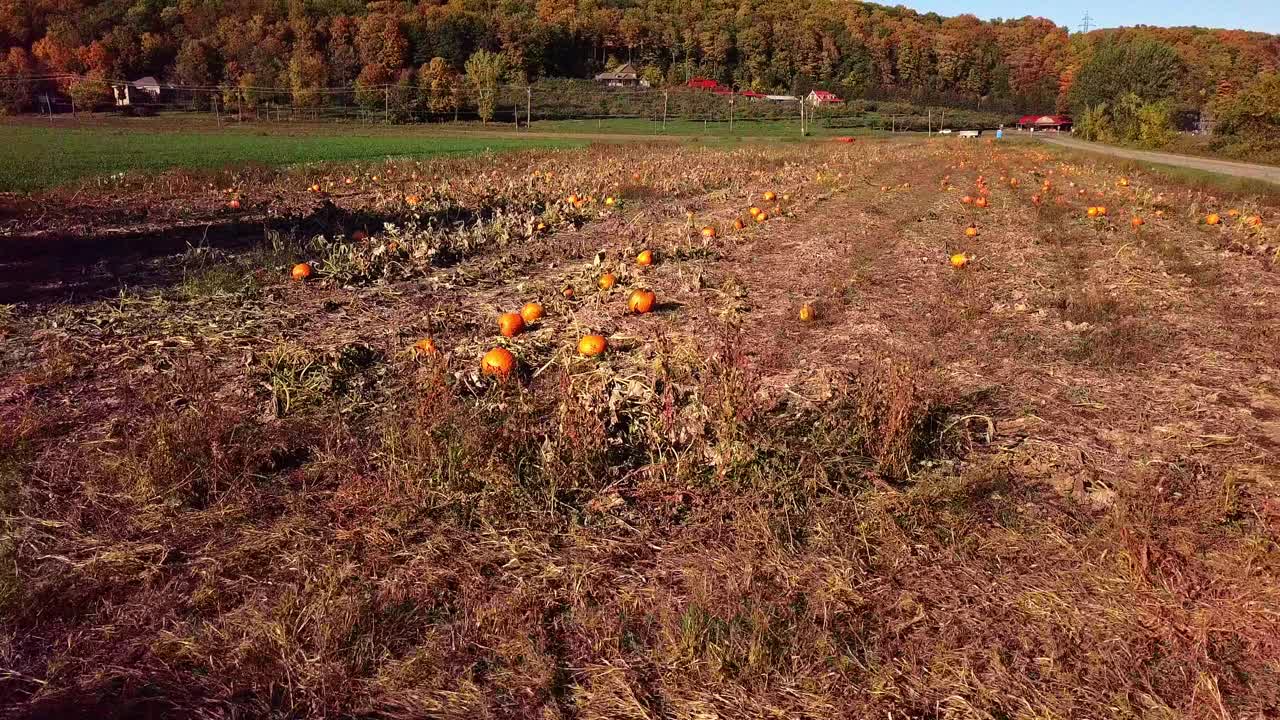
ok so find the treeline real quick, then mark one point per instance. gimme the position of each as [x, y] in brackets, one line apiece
[857, 49]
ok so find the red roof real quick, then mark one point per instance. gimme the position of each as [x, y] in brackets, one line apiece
[703, 83]
[825, 96]
[1044, 120]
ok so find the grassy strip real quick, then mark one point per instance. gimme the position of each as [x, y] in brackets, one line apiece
[43, 157]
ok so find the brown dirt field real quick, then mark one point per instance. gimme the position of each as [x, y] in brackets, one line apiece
[1043, 485]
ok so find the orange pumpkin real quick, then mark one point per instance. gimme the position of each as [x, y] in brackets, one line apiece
[1091, 212]
[1123, 182]
[738, 224]
[315, 188]
[762, 216]
[967, 200]
[301, 271]
[769, 196]
[959, 260]
[645, 258]
[1212, 219]
[567, 291]
[709, 231]
[592, 345]
[234, 204]
[641, 301]
[498, 362]
[808, 313]
[1102, 211]
[1137, 222]
[981, 201]
[412, 200]
[607, 281]
[531, 313]
[610, 202]
[1255, 221]
[971, 231]
[510, 324]
[754, 211]
[425, 346]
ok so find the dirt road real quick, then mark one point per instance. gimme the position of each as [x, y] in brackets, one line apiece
[1267, 173]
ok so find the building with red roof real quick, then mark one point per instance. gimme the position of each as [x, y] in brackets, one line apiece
[822, 97]
[701, 83]
[1044, 122]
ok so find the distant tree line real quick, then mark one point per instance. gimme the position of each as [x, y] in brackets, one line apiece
[1129, 84]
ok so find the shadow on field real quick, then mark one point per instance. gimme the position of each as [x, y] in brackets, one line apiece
[80, 268]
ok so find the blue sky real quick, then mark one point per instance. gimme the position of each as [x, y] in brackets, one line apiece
[1262, 15]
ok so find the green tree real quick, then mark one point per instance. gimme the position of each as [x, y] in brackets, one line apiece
[1094, 123]
[1253, 111]
[90, 92]
[1155, 124]
[484, 71]
[1148, 69]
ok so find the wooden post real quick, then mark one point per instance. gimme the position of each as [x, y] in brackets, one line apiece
[386, 104]
[730, 114]
[528, 107]
[664, 110]
[930, 122]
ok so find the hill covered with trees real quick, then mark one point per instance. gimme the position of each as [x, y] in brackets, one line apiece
[858, 49]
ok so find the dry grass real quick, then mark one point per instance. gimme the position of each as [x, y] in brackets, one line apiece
[1043, 486]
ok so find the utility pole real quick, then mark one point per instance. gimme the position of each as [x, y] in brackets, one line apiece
[730, 114]
[528, 106]
[1086, 24]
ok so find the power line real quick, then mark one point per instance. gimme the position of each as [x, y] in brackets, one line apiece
[1087, 23]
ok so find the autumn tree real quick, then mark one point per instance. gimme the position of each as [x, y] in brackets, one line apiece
[15, 83]
[484, 71]
[371, 87]
[435, 85]
[308, 76]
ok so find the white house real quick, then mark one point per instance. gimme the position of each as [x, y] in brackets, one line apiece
[143, 91]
